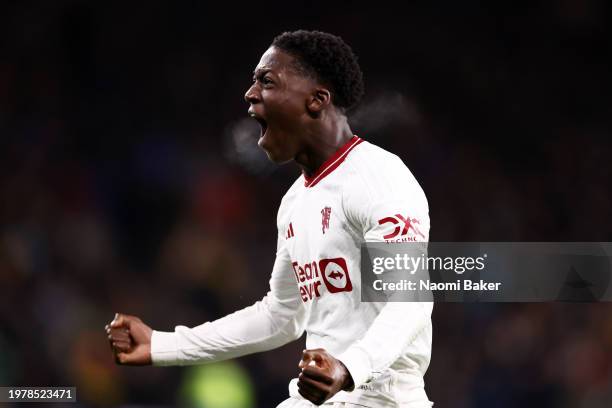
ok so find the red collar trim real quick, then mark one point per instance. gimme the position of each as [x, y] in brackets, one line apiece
[332, 163]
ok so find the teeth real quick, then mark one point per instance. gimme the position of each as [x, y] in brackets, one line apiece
[252, 114]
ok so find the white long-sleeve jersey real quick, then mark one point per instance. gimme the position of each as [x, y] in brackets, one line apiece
[362, 193]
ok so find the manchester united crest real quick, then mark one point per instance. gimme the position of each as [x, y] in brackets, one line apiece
[325, 216]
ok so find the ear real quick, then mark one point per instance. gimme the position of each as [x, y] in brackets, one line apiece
[318, 101]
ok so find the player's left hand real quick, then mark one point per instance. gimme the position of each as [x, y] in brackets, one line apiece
[322, 376]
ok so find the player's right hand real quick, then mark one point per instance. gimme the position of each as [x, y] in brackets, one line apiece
[130, 340]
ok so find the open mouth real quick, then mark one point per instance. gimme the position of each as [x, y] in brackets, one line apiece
[262, 122]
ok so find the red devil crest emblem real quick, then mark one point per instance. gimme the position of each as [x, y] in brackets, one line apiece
[325, 216]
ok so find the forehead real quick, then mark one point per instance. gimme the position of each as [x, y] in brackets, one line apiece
[275, 60]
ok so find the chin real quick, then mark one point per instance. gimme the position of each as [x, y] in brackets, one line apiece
[274, 156]
[275, 150]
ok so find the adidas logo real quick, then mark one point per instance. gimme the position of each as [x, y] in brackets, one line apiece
[290, 231]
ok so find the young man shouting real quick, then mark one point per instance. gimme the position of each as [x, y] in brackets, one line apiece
[359, 354]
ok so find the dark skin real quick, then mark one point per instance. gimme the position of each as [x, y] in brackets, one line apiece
[302, 122]
[322, 376]
[299, 122]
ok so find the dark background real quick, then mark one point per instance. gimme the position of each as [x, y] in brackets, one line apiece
[130, 181]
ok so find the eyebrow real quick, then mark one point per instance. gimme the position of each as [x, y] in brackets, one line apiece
[261, 71]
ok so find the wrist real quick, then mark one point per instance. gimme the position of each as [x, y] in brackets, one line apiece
[347, 384]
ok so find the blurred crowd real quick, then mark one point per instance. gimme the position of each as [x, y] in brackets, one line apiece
[129, 181]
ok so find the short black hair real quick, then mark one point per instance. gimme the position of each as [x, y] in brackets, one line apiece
[329, 59]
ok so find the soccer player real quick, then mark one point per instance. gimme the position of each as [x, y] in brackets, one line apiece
[359, 354]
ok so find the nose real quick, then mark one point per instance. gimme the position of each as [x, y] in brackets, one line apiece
[252, 95]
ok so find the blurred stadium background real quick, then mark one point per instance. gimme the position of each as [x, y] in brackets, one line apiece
[130, 181]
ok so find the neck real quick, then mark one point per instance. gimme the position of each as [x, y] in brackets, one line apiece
[323, 141]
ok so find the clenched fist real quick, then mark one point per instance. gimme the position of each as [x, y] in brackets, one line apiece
[322, 376]
[130, 340]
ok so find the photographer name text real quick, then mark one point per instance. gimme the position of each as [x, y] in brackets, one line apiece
[458, 285]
